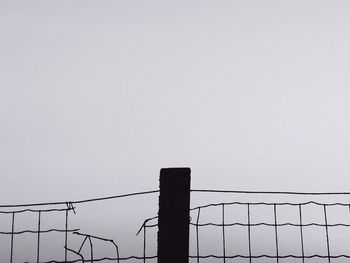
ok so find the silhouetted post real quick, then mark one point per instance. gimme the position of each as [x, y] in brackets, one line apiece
[174, 215]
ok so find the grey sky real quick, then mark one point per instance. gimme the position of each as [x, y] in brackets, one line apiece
[97, 96]
[102, 94]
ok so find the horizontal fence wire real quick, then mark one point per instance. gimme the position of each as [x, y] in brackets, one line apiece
[269, 192]
[99, 259]
[80, 201]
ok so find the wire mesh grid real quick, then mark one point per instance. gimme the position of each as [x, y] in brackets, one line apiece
[38, 231]
[22, 223]
[219, 232]
[272, 232]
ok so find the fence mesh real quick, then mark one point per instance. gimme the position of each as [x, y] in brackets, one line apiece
[38, 231]
[23, 228]
[311, 231]
[271, 232]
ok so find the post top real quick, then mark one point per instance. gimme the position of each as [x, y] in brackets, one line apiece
[176, 168]
[175, 171]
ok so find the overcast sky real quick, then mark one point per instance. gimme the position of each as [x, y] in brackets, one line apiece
[97, 96]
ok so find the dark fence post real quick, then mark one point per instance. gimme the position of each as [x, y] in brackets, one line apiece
[174, 215]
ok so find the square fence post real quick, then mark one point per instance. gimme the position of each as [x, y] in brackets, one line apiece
[174, 215]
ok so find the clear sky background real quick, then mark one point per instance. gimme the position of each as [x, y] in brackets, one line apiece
[97, 96]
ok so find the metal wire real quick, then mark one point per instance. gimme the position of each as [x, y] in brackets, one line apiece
[276, 226]
[225, 252]
[70, 207]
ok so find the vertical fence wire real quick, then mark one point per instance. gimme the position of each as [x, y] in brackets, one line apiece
[91, 250]
[117, 250]
[144, 243]
[12, 234]
[249, 236]
[327, 236]
[276, 234]
[197, 233]
[223, 233]
[301, 234]
[66, 237]
[38, 241]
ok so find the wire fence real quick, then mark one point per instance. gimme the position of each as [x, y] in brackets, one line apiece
[272, 231]
[38, 231]
[67, 251]
[229, 253]
[220, 232]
